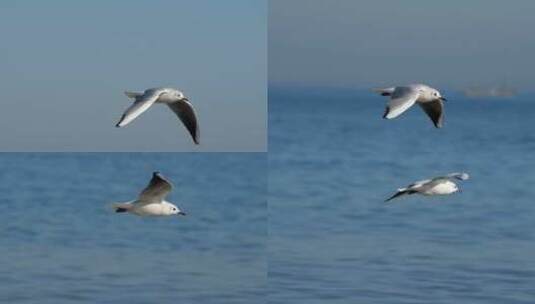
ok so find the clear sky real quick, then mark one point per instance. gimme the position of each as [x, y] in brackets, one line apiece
[65, 64]
[367, 43]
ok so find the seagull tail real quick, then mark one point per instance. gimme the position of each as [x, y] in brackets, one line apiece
[121, 207]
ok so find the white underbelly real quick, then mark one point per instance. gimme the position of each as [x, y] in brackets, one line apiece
[441, 189]
[148, 209]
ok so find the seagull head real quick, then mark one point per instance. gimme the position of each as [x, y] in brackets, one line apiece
[180, 96]
[174, 210]
[436, 95]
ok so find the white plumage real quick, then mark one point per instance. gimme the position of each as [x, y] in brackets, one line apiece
[151, 201]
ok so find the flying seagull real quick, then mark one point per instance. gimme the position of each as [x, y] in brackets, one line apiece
[402, 98]
[441, 185]
[151, 201]
[175, 99]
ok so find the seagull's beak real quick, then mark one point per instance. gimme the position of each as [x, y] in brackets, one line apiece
[181, 213]
[185, 99]
[443, 99]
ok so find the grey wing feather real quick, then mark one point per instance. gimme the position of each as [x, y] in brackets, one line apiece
[435, 181]
[435, 111]
[185, 112]
[418, 184]
[458, 175]
[157, 189]
[384, 91]
[134, 95]
[139, 106]
[397, 194]
[402, 98]
[401, 192]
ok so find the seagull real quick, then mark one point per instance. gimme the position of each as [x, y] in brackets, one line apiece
[402, 98]
[151, 201]
[175, 99]
[441, 185]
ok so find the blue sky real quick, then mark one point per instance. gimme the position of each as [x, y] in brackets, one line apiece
[369, 43]
[64, 66]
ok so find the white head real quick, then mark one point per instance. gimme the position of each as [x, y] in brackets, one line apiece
[179, 95]
[170, 209]
[433, 94]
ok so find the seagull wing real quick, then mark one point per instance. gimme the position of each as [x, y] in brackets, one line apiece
[418, 184]
[157, 189]
[397, 194]
[134, 95]
[384, 91]
[402, 98]
[435, 111]
[410, 189]
[405, 191]
[432, 183]
[139, 106]
[458, 175]
[184, 110]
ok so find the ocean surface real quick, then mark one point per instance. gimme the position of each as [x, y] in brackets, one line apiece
[333, 161]
[60, 242]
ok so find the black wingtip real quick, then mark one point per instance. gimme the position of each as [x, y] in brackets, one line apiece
[195, 136]
[399, 193]
[120, 210]
[386, 113]
[118, 125]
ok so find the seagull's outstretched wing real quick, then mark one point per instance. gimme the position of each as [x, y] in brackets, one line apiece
[435, 111]
[184, 110]
[139, 106]
[384, 91]
[410, 189]
[402, 98]
[157, 189]
[397, 194]
[458, 175]
[132, 94]
[401, 192]
[418, 184]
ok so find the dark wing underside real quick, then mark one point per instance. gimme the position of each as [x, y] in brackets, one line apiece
[435, 111]
[185, 112]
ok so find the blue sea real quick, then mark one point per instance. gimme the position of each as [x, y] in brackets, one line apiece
[60, 242]
[333, 161]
